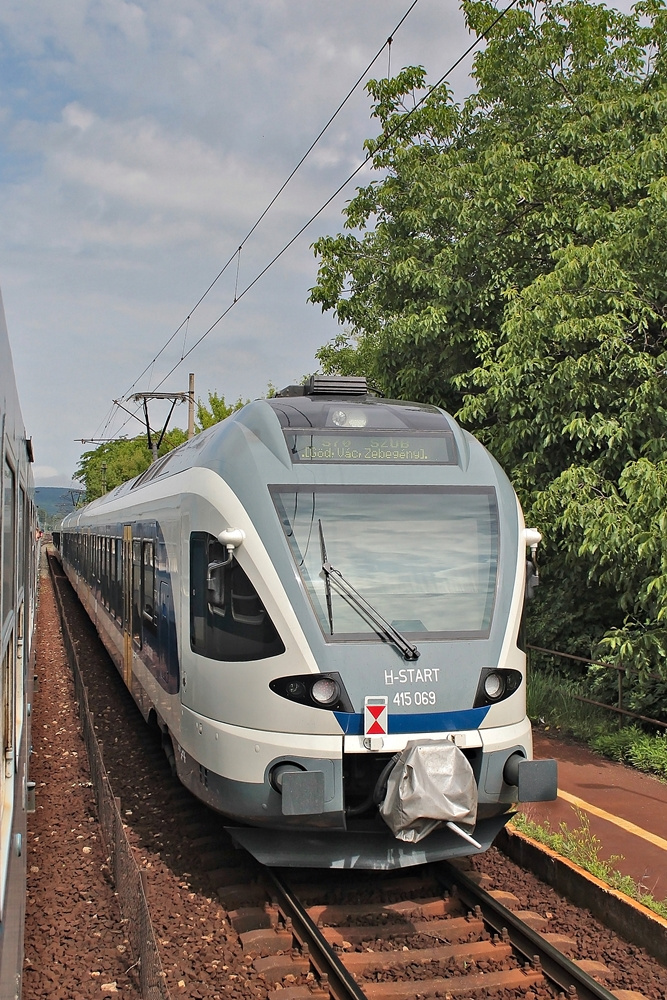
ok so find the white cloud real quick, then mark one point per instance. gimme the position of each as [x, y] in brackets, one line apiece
[140, 141]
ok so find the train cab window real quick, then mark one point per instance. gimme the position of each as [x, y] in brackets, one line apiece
[148, 583]
[424, 557]
[227, 618]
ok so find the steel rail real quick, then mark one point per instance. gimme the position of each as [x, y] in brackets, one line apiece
[556, 966]
[341, 983]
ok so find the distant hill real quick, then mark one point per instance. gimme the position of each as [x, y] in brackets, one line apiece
[54, 502]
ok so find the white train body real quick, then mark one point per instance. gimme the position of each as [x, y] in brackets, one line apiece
[368, 545]
[18, 584]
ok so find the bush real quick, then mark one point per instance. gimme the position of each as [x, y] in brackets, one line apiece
[617, 745]
[649, 753]
[553, 701]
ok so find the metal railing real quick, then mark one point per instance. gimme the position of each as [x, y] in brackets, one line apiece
[126, 874]
[618, 708]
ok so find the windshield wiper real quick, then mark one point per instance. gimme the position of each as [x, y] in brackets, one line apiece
[360, 604]
[327, 581]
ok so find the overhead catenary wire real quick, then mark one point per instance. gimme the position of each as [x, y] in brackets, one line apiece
[275, 197]
[369, 156]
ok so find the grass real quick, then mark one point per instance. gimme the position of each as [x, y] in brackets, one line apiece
[552, 702]
[581, 847]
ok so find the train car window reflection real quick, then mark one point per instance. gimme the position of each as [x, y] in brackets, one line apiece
[215, 577]
[8, 535]
[426, 559]
[148, 583]
[8, 712]
[112, 576]
[227, 618]
[246, 605]
[23, 561]
[136, 591]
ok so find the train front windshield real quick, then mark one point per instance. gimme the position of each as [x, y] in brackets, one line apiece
[425, 558]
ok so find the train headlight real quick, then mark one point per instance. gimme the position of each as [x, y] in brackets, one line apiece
[349, 418]
[325, 691]
[494, 686]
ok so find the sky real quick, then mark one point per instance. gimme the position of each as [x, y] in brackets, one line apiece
[139, 143]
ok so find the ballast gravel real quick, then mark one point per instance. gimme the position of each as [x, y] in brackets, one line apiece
[75, 945]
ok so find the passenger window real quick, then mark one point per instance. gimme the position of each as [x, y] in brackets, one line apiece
[136, 591]
[148, 583]
[227, 618]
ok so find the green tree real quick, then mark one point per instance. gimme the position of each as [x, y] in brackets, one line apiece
[510, 265]
[114, 462]
[218, 409]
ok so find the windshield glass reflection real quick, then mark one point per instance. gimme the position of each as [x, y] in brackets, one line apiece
[425, 559]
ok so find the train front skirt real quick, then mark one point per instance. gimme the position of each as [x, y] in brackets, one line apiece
[376, 849]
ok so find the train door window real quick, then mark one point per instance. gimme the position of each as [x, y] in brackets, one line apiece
[136, 591]
[8, 710]
[112, 576]
[21, 674]
[8, 539]
[118, 579]
[4, 792]
[118, 591]
[148, 582]
[21, 540]
[105, 572]
[227, 618]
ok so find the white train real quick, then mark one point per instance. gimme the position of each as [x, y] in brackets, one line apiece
[18, 581]
[307, 592]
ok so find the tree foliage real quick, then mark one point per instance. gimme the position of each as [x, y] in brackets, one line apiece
[509, 264]
[114, 462]
[218, 409]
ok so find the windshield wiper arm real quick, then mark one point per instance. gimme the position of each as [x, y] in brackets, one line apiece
[327, 581]
[360, 603]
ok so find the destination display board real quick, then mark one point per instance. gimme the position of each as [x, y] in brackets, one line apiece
[416, 448]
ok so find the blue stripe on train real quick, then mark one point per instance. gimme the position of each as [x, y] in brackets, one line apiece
[352, 723]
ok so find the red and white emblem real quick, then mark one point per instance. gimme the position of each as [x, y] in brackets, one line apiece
[375, 716]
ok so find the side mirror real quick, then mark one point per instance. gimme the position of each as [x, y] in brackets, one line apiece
[231, 538]
[532, 537]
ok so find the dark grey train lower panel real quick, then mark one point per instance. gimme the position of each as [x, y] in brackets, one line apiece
[377, 849]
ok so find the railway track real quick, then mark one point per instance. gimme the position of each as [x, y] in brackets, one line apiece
[436, 934]
[229, 929]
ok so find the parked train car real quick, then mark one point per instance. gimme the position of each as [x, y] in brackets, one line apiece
[18, 580]
[319, 602]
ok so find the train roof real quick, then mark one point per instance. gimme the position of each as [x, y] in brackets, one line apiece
[10, 407]
[303, 414]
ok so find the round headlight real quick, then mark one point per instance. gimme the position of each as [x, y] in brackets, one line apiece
[494, 686]
[325, 691]
[339, 418]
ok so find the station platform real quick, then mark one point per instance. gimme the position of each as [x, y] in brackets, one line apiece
[626, 809]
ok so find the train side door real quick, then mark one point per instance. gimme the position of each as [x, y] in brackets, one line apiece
[127, 603]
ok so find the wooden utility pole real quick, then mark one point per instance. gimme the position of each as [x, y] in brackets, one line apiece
[191, 406]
